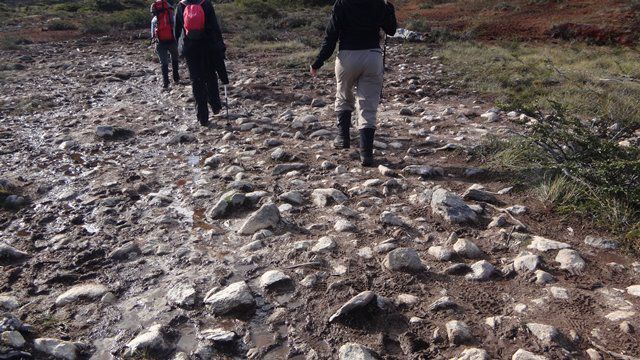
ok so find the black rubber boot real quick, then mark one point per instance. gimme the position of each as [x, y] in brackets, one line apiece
[343, 140]
[366, 146]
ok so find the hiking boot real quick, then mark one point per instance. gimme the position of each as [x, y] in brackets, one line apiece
[343, 140]
[366, 146]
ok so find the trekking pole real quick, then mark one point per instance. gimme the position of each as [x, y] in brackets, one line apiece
[384, 61]
[226, 100]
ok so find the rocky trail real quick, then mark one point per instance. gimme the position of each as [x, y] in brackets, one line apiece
[140, 234]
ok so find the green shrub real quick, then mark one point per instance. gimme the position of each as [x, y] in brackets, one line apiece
[260, 8]
[109, 5]
[60, 25]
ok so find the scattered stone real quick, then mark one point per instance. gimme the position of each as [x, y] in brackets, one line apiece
[620, 315]
[322, 197]
[559, 293]
[601, 243]
[236, 297]
[452, 208]
[57, 348]
[105, 131]
[594, 354]
[292, 197]
[392, 219]
[473, 354]
[626, 327]
[13, 339]
[182, 138]
[444, 303]
[468, 249]
[267, 216]
[386, 171]
[274, 278]
[125, 251]
[481, 271]
[151, 340]
[403, 259]
[182, 295]
[478, 193]
[81, 292]
[517, 209]
[440, 253]
[9, 254]
[543, 277]
[541, 244]
[548, 335]
[344, 226]
[570, 260]
[357, 302]
[8, 302]
[458, 332]
[353, 351]
[632, 290]
[285, 168]
[324, 244]
[526, 262]
[423, 170]
[526, 355]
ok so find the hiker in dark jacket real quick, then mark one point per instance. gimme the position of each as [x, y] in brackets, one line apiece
[204, 50]
[356, 26]
[162, 28]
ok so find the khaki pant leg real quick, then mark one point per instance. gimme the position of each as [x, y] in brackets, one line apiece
[369, 88]
[346, 78]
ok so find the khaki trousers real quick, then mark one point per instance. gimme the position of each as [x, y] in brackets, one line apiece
[363, 70]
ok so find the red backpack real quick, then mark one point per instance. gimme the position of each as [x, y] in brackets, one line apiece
[164, 29]
[194, 19]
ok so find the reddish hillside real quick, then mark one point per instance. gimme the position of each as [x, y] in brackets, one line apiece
[598, 21]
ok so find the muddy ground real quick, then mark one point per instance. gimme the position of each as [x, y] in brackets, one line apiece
[130, 213]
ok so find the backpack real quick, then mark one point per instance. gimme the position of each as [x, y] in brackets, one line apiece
[194, 19]
[164, 29]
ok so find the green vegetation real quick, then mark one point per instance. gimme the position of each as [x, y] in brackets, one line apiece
[582, 103]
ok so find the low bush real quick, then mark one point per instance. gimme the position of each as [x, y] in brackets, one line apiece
[60, 25]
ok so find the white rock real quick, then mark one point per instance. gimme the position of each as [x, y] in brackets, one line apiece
[403, 259]
[218, 335]
[266, 217]
[543, 277]
[481, 271]
[545, 333]
[458, 332]
[81, 292]
[526, 355]
[594, 354]
[273, 278]
[324, 244]
[344, 226]
[8, 302]
[57, 348]
[182, 295]
[467, 248]
[473, 354]
[620, 315]
[570, 260]
[357, 302]
[632, 290]
[390, 218]
[452, 208]
[526, 262]
[235, 297]
[353, 351]
[559, 293]
[149, 340]
[13, 339]
[601, 243]
[441, 253]
[321, 197]
[542, 244]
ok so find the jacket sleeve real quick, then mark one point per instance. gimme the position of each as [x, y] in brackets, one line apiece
[389, 23]
[330, 39]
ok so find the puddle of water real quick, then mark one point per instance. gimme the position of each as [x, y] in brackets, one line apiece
[188, 341]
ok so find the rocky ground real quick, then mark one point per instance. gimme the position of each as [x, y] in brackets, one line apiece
[131, 232]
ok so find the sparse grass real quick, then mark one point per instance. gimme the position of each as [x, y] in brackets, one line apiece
[584, 100]
[60, 25]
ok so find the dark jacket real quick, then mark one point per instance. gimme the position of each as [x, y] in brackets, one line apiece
[211, 41]
[355, 25]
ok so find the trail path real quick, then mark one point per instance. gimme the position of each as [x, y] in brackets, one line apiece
[159, 223]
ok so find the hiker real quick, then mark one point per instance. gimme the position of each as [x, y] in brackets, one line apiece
[204, 50]
[166, 44]
[356, 25]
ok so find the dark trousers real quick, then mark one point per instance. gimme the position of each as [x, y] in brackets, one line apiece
[204, 82]
[164, 49]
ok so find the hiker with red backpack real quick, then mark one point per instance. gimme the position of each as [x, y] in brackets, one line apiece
[166, 44]
[204, 49]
